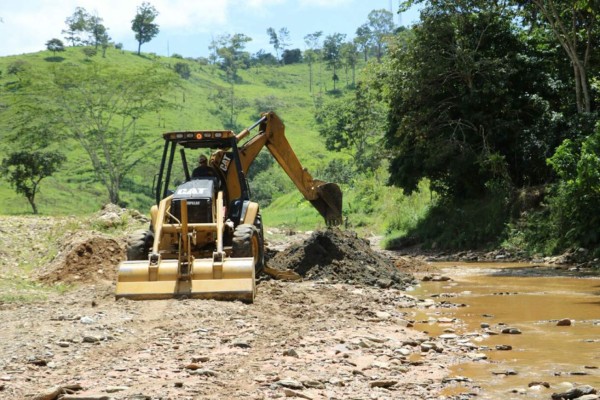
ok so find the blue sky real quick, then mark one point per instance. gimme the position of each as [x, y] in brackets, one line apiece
[187, 26]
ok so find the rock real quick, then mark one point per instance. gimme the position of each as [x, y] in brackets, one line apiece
[484, 325]
[503, 347]
[290, 353]
[63, 344]
[193, 366]
[85, 397]
[293, 393]
[115, 389]
[241, 343]
[511, 331]
[383, 383]
[178, 384]
[382, 315]
[448, 336]
[477, 356]
[574, 393]
[200, 359]
[589, 397]
[508, 372]
[290, 384]
[86, 320]
[313, 384]
[544, 384]
[564, 322]
[90, 339]
[203, 372]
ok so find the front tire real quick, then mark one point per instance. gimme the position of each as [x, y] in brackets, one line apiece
[247, 243]
[139, 244]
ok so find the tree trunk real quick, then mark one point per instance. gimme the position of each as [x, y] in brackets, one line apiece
[139, 47]
[31, 200]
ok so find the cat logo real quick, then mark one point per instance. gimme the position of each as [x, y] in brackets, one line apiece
[224, 166]
[191, 191]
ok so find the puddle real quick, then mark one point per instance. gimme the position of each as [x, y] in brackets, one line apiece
[531, 299]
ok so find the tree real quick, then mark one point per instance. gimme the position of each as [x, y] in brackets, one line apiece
[100, 108]
[465, 105]
[364, 39]
[332, 53]
[312, 53]
[77, 25]
[279, 40]
[25, 169]
[232, 56]
[143, 24]
[55, 45]
[349, 54]
[292, 56]
[381, 26]
[574, 25]
[99, 34]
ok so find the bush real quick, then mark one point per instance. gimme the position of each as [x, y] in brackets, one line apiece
[575, 199]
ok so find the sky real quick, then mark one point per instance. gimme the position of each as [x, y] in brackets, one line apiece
[188, 26]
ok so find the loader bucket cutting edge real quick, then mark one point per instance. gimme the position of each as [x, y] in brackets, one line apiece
[236, 281]
[329, 203]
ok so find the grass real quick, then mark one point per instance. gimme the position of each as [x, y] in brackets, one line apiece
[369, 205]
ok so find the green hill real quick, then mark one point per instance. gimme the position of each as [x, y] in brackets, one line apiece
[284, 89]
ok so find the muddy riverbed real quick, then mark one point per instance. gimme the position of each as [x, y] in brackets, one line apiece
[553, 319]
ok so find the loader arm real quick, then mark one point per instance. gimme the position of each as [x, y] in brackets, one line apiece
[325, 197]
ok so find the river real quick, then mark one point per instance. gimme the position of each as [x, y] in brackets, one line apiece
[528, 298]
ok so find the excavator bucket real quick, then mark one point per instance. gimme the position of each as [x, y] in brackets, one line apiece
[233, 279]
[329, 202]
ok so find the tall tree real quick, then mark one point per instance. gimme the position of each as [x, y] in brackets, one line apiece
[574, 25]
[143, 24]
[232, 56]
[100, 108]
[78, 25]
[349, 54]
[332, 46]
[312, 53]
[25, 169]
[279, 40]
[381, 26]
[99, 34]
[364, 39]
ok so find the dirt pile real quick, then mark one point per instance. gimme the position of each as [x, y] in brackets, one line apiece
[84, 259]
[343, 257]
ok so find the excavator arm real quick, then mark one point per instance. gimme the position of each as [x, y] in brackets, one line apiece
[325, 197]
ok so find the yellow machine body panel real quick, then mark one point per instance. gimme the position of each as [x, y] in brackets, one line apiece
[233, 280]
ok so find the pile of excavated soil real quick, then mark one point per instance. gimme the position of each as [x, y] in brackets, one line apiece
[84, 259]
[340, 256]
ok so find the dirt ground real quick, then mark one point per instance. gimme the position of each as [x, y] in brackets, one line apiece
[338, 334]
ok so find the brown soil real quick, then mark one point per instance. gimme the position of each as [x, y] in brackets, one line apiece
[86, 258]
[338, 337]
[341, 256]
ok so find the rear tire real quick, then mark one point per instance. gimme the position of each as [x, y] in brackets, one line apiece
[248, 243]
[139, 244]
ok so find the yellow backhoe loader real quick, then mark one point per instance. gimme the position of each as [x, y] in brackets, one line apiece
[206, 236]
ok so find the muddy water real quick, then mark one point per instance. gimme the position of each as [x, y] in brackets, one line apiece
[530, 299]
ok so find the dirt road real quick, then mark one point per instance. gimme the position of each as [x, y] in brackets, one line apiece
[313, 339]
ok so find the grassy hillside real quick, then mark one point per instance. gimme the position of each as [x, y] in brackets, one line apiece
[286, 89]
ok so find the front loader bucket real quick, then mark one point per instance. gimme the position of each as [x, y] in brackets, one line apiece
[329, 202]
[233, 279]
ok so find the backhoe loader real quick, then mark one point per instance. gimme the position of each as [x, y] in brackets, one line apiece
[206, 236]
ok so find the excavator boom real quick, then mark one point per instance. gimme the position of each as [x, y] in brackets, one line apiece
[325, 197]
